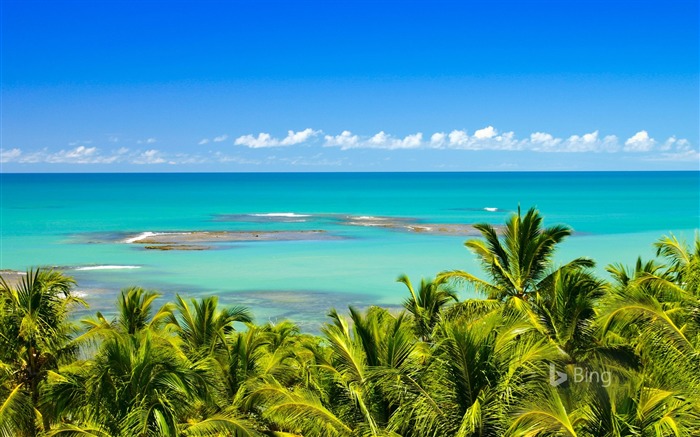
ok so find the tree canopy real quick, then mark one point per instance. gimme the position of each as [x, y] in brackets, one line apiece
[548, 350]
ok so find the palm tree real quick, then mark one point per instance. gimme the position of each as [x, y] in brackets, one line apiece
[139, 385]
[135, 315]
[654, 309]
[636, 407]
[204, 334]
[203, 327]
[523, 279]
[632, 406]
[135, 307]
[465, 384]
[426, 305]
[684, 261]
[17, 413]
[567, 308]
[520, 261]
[290, 355]
[347, 399]
[248, 351]
[135, 386]
[35, 333]
[296, 413]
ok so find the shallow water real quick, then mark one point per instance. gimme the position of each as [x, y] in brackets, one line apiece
[79, 222]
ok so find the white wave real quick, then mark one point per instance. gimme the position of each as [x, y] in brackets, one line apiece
[106, 267]
[147, 234]
[366, 224]
[281, 214]
[140, 237]
[490, 209]
[369, 217]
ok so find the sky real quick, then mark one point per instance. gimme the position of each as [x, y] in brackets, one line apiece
[265, 86]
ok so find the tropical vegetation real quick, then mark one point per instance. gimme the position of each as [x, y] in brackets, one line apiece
[547, 349]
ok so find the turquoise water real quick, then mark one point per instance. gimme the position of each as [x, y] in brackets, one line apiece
[75, 221]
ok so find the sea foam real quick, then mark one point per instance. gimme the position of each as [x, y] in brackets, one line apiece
[106, 267]
[140, 237]
[148, 234]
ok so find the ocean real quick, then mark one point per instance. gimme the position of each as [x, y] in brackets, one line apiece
[376, 226]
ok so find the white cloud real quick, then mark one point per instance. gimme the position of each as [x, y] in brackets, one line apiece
[485, 133]
[10, 155]
[81, 151]
[299, 137]
[487, 138]
[673, 149]
[584, 143]
[544, 142]
[668, 144]
[262, 140]
[93, 155]
[33, 157]
[437, 140]
[680, 145]
[639, 142]
[590, 142]
[266, 140]
[683, 144]
[346, 140]
[78, 155]
[203, 141]
[412, 141]
[152, 156]
[381, 140]
[458, 137]
[504, 141]
[610, 144]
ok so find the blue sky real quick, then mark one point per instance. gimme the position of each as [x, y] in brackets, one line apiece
[349, 86]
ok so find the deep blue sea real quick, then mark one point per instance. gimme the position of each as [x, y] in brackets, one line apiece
[79, 222]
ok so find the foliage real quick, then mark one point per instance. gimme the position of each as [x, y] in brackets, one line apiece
[629, 348]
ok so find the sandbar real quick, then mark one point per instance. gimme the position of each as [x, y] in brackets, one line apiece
[406, 224]
[171, 238]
